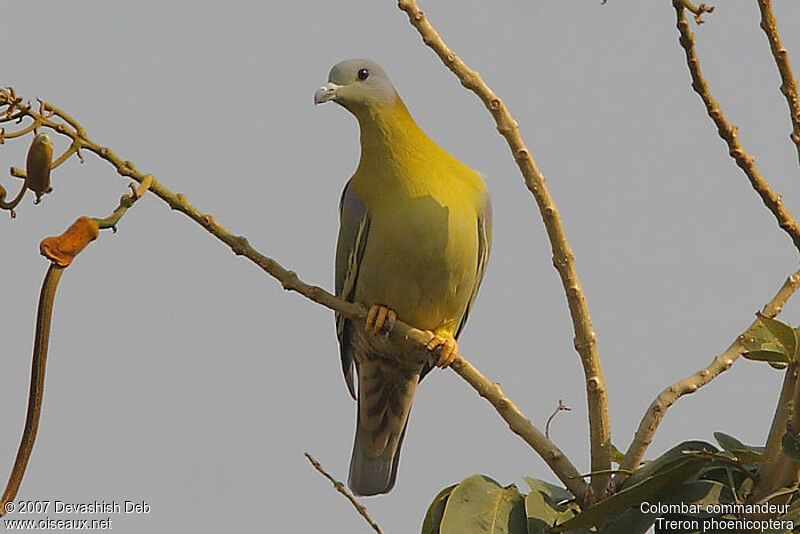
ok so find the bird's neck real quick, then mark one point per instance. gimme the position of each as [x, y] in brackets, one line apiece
[390, 140]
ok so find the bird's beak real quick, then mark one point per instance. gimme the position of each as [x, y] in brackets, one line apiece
[325, 93]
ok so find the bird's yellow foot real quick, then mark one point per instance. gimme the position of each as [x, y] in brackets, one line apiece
[444, 346]
[380, 320]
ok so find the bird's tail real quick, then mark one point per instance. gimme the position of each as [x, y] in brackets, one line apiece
[384, 402]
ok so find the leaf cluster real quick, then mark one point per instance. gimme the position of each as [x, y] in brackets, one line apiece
[688, 482]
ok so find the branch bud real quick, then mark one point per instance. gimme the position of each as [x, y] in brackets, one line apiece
[40, 155]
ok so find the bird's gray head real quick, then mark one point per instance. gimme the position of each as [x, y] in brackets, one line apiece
[357, 83]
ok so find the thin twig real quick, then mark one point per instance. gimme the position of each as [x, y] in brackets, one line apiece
[729, 133]
[560, 408]
[698, 10]
[563, 257]
[19, 133]
[13, 203]
[655, 413]
[610, 472]
[74, 148]
[125, 202]
[341, 488]
[402, 334]
[781, 55]
[521, 426]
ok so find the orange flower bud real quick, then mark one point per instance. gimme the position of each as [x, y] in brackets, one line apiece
[40, 155]
[2, 193]
[62, 249]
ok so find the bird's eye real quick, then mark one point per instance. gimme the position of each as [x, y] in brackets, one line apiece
[363, 74]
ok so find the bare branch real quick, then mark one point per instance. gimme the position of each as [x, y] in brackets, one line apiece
[563, 257]
[698, 10]
[781, 55]
[341, 488]
[655, 413]
[729, 133]
[125, 202]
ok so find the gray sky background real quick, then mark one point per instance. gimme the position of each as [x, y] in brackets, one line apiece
[181, 375]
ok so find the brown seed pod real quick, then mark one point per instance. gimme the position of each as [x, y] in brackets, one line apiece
[62, 249]
[2, 193]
[37, 167]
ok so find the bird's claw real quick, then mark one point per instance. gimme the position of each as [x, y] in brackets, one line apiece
[444, 346]
[380, 320]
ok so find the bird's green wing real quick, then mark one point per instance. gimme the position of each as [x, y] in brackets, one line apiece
[353, 230]
[484, 245]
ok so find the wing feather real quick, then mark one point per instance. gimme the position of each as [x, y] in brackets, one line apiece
[484, 246]
[353, 231]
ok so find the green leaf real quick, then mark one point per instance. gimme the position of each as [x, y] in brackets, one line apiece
[745, 453]
[792, 515]
[631, 521]
[791, 445]
[673, 467]
[673, 472]
[539, 512]
[778, 360]
[548, 504]
[699, 493]
[745, 488]
[675, 453]
[719, 460]
[770, 341]
[479, 505]
[777, 493]
[728, 442]
[433, 517]
[554, 495]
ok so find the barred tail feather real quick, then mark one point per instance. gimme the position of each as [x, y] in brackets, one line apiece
[384, 403]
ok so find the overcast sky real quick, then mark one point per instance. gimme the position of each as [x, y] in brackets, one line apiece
[181, 375]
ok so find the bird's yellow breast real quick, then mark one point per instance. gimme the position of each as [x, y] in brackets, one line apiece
[421, 257]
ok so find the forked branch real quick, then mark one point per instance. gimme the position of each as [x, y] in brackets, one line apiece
[563, 258]
[655, 413]
[729, 132]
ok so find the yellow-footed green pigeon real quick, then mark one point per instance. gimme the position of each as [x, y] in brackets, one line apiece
[414, 236]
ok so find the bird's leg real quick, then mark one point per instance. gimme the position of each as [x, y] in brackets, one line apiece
[444, 346]
[380, 320]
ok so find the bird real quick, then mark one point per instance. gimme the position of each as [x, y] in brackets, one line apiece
[415, 228]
